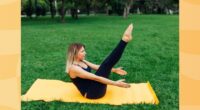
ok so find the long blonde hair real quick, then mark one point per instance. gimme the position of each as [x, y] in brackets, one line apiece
[72, 53]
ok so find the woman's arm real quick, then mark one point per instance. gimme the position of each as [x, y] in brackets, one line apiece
[96, 67]
[78, 72]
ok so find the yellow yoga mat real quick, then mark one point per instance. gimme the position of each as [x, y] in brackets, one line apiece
[51, 90]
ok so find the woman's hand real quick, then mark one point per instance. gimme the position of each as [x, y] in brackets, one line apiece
[120, 71]
[121, 83]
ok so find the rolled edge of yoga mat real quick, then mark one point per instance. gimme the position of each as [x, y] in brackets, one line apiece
[153, 93]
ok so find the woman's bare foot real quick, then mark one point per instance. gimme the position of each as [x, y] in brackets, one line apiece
[128, 33]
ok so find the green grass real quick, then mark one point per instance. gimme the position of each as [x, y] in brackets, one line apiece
[151, 56]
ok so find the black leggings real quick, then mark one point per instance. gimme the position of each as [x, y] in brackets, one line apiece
[97, 89]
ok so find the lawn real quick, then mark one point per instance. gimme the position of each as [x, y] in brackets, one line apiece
[151, 56]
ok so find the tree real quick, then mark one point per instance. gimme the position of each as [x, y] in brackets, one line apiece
[41, 7]
[29, 8]
[63, 6]
[160, 6]
[127, 6]
[52, 8]
[74, 8]
[63, 10]
[88, 6]
[149, 6]
[108, 7]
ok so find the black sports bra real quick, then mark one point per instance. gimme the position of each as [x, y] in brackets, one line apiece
[80, 83]
[88, 69]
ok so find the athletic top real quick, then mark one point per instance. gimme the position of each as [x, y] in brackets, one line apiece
[80, 83]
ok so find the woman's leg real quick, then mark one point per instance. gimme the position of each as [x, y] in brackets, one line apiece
[96, 89]
[105, 68]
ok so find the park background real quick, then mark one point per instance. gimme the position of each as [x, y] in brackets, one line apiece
[48, 27]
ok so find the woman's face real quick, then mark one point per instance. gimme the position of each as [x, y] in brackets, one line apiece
[81, 54]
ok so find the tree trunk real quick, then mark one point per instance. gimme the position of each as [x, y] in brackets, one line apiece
[63, 11]
[127, 8]
[125, 14]
[52, 8]
[36, 8]
[138, 10]
[107, 10]
[94, 10]
[29, 11]
[88, 9]
[55, 5]
[74, 13]
[167, 10]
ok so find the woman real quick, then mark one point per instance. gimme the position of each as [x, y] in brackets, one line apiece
[90, 85]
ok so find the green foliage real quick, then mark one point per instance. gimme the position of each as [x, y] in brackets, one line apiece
[52, 7]
[118, 7]
[155, 6]
[39, 7]
[28, 7]
[67, 5]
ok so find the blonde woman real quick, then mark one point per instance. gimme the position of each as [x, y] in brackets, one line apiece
[91, 85]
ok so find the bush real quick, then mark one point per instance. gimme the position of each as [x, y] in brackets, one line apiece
[29, 7]
[41, 8]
